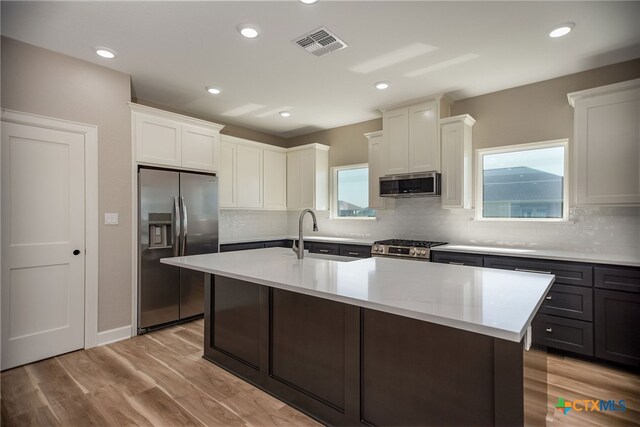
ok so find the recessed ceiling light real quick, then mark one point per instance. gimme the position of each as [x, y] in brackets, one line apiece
[561, 30]
[382, 85]
[308, 1]
[284, 113]
[249, 31]
[105, 52]
[213, 90]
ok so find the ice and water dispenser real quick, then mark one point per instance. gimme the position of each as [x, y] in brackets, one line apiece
[160, 225]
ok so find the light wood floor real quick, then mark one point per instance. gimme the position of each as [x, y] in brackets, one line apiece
[161, 379]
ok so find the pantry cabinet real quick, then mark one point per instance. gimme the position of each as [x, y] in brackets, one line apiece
[457, 158]
[166, 139]
[252, 175]
[308, 177]
[607, 144]
[412, 135]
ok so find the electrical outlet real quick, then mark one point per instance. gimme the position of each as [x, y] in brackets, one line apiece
[111, 218]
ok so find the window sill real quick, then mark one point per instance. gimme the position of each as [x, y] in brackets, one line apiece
[357, 218]
[524, 220]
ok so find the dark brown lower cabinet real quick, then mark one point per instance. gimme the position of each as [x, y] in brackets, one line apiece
[617, 320]
[563, 334]
[347, 365]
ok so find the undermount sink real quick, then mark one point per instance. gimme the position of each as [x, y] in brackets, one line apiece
[328, 257]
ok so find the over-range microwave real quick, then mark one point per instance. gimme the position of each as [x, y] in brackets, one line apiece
[410, 185]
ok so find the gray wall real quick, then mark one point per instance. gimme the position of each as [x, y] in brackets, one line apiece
[39, 81]
[348, 143]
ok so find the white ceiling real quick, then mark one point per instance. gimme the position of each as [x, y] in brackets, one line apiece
[173, 50]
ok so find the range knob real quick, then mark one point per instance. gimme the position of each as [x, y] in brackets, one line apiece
[412, 252]
[423, 252]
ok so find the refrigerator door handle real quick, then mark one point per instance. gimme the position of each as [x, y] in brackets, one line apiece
[184, 226]
[176, 227]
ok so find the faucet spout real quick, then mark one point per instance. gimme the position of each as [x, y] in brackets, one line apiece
[299, 250]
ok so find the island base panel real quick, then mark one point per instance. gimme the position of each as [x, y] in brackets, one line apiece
[347, 365]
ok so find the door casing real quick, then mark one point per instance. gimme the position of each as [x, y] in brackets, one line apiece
[90, 133]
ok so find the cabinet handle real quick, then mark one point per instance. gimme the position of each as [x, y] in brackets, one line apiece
[549, 330]
[456, 263]
[326, 251]
[532, 271]
[353, 253]
[549, 297]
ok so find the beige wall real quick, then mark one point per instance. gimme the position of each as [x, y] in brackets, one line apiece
[535, 112]
[348, 143]
[39, 81]
[228, 129]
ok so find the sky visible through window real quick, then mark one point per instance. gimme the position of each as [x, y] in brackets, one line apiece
[353, 186]
[549, 160]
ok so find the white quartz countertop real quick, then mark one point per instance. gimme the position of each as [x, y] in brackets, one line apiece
[498, 303]
[613, 259]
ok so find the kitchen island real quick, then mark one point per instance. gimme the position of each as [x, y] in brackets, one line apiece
[373, 341]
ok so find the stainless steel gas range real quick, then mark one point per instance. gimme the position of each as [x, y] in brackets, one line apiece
[409, 249]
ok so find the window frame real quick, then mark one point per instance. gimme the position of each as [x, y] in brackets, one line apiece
[333, 193]
[480, 153]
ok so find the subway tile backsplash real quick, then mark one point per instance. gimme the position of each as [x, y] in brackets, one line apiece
[608, 230]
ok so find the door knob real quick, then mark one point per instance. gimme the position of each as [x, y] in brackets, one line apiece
[76, 252]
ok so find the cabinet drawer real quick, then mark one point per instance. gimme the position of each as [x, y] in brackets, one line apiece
[359, 251]
[617, 316]
[574, 302]
[456, 258]
[563, 334]
[567, 273]
[617, 278]
[230, 247]
[324, 248]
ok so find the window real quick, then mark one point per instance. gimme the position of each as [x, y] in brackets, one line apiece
[523, 182]
[350, 192]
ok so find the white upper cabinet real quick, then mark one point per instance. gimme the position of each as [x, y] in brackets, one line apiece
[200, 148]
[607, 144]
[252, 175]
[308, 177]
[275, 179]
[395, 124]
[226, 174]
[377, 168]
[248, 176]
[455, 133]
[162, 138]
[412, 135]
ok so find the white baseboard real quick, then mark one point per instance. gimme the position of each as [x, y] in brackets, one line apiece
[113, 335]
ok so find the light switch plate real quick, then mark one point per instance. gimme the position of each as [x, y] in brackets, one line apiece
[111, 218]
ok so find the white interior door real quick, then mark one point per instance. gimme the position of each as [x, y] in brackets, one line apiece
[43, 225]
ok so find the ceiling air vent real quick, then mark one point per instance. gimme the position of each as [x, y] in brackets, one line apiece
[320, 42]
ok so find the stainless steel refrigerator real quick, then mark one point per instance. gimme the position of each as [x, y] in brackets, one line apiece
[178, 216]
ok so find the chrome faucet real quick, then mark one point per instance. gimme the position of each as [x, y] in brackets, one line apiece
[299, 250]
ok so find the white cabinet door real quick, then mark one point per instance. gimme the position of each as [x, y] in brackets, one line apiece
[377, 168]
[226, 175]
[248, 176]
[200, 148]
[275, 180]
[293, 180]
[607, 141]
[456, 161]
[158, 140]
[307, 178]
[424, 144]
[396, 133]
[43, 215]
